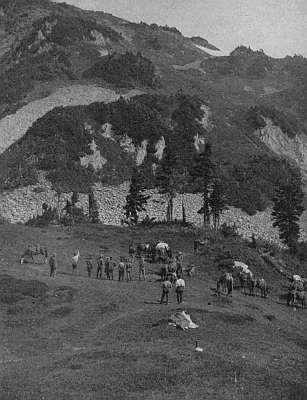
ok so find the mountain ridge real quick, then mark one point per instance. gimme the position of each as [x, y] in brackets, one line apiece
[48, 50]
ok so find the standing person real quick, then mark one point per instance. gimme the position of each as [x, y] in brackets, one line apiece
[112, 265]
[163, 272]
[106, 267]
[129, 270]
[179, 269]
[121, 269]
[142, 269]
[89, 266]
[166, 286]
[53, 265]
[74, 262]
[179, 260]
[180, 286]
[99, 267]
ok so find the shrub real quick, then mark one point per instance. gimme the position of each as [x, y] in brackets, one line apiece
[227, 230]
[124, 70]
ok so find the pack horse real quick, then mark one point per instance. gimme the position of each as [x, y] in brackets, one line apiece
[32, 251]
[199, 244]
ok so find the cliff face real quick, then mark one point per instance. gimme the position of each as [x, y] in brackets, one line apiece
[281, 144]
[17, 206]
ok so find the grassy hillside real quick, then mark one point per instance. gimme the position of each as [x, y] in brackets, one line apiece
[76, 337]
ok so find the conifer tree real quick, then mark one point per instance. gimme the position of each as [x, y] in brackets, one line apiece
[136, 199]
[166, 180]
[93, 207]
[217, 202]
[203, 173]
[288, 207]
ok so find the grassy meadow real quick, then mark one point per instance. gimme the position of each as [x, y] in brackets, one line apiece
[71, 337]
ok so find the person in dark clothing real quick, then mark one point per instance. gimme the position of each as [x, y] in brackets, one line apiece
[89, 266]
[142, 269]
[163, 272]
[129, 270]
[53, 265]
[110, 270]
[121, 269]
[99, 267]
[106, 266]
[166, 286]
[179, 269]
[179, 260]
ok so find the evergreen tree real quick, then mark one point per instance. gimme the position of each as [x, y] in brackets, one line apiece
[184, 216]
[203, 173]
[217, 202]
[136, 199]
[166, 180]
[288, 207]
[93, 207]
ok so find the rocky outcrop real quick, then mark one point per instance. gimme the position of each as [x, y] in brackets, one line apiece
[95, 159]
[19, 205]
[294, 148]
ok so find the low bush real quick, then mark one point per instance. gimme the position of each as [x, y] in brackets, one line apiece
[61, 311]
[13, 290]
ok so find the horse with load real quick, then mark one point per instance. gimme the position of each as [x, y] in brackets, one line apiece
[31, 251]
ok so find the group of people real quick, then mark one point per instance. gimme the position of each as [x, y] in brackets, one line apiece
[125, 267]
[107, 265]
[166, 287]
[172, 274]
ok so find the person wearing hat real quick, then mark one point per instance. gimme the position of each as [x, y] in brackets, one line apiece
[110, 268]
[179, 264]
[106, 266]
[179, 259]
[166, 286]
[129, 269]
[191, 270]
[121, 269]
[89, 266]
[142, 269]
[180, 286]
[53, 265]
[99, 267]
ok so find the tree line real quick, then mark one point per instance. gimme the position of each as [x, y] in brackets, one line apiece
[56, 142]
[288, 196]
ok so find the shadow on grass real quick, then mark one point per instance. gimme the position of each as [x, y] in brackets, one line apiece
[157, 302]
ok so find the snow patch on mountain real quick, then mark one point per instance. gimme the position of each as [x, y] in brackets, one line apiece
[213, 53]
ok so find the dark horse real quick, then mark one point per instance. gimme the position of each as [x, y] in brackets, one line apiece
[296, 296]
[132, 250]
[32, 251]
[142, 249]
[163, 254]
[200, 244]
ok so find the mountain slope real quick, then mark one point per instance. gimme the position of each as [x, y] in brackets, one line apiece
[47, 47]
